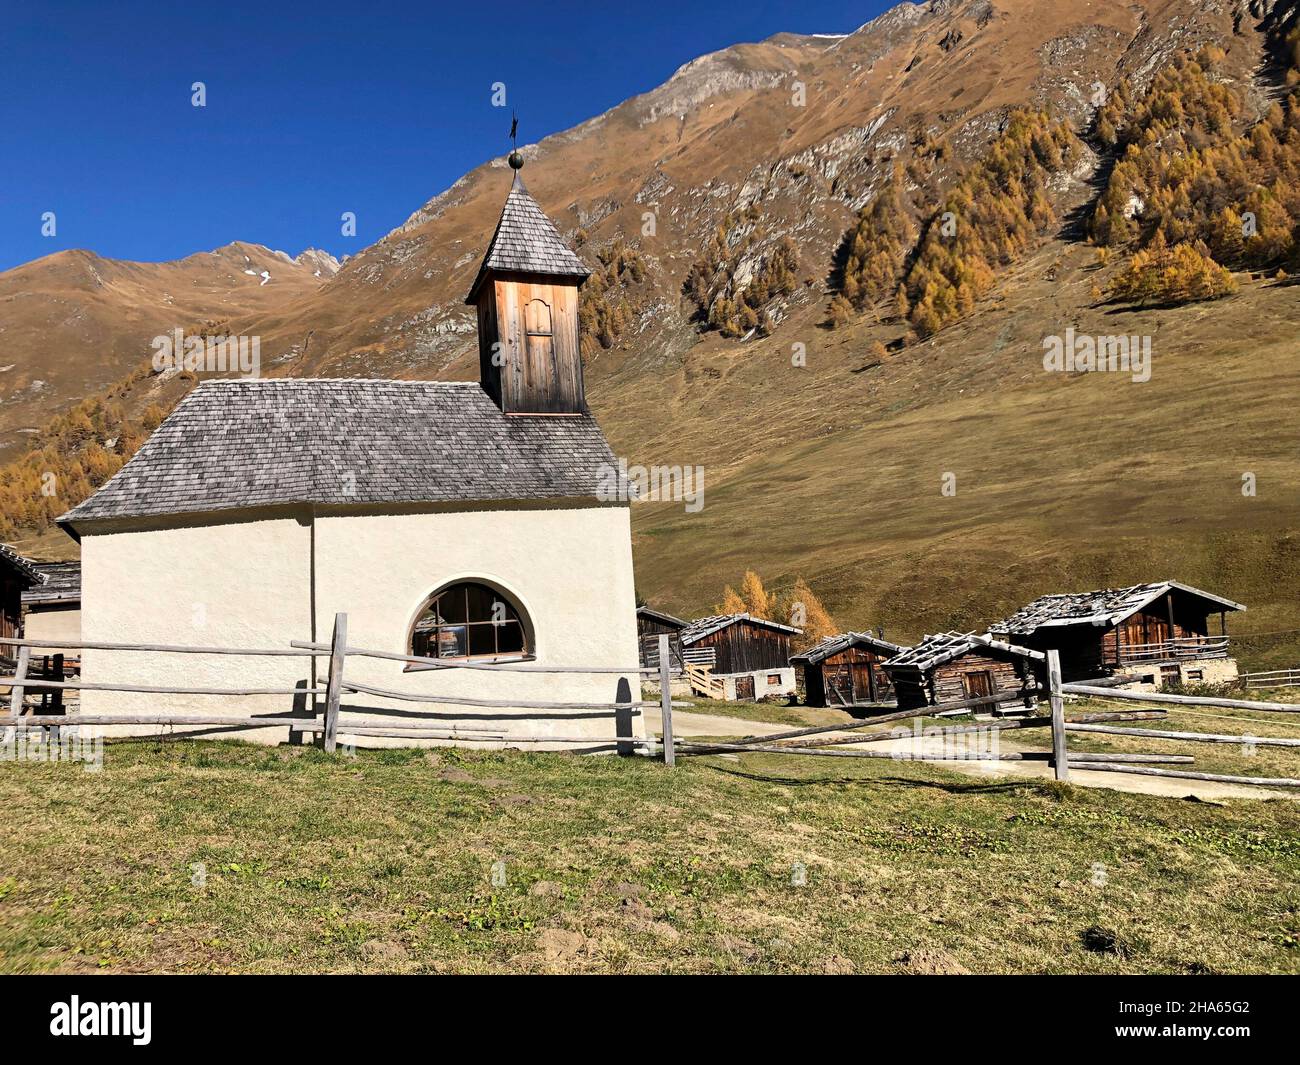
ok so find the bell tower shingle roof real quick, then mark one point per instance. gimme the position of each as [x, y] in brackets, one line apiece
[526, 241]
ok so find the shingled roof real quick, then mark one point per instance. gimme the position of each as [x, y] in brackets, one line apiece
[1106, 606]
[24, 567]
[702, 627]
[527, 242]
[833, 645]
[945, 646]
[61, 583]
[661, 616]
[238, 444]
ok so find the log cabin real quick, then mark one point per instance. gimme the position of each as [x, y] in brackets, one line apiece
[52, 609]
[650, 625]
[466, 521]
[955, 667]
[17, 574]
[1156, 633]
[750, 656]
[847, 670]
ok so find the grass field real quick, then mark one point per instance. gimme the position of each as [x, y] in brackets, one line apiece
[219, 856]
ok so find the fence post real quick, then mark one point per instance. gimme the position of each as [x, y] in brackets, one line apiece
[1060, 759]
[56, 700]
[20, 674]
[666, 700]
[334, 689]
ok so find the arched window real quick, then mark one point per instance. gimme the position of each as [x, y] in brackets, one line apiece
[470, 620]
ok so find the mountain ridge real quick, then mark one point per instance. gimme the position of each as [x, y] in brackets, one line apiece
[831, 470]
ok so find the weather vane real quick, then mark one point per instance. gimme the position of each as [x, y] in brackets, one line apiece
[515, 160]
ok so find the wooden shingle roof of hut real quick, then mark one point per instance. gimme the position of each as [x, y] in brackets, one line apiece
[1106, 606]
[661, 616]
[527, 242]
[833, 645]
[260, 443]
[945, 646]
[701, 627]
[61, 583]
[25, 568]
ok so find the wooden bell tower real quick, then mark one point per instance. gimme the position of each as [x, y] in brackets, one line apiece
[526, 293]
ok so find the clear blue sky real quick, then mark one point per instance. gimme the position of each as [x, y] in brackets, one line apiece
[312, 109]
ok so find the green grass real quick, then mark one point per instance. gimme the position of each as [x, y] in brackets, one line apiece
[384, 862]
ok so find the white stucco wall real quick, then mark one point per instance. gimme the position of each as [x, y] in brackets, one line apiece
[784, 686]
[241, 583]
[248, 583]
[569, 569]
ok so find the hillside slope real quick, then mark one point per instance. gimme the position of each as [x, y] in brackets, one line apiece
[74, 322]
[833, 469]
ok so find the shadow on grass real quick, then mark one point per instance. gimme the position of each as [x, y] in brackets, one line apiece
[951, 787]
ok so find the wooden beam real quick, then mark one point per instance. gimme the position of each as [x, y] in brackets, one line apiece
[1179, 700]
[84, 645]
[666, 702]
[1195, 737]
[334, 691]
[20, 674]
[1060, 759]
[154, 689]
[492, 667]
[1186, 774]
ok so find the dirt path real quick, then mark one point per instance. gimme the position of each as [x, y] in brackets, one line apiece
[688, 724]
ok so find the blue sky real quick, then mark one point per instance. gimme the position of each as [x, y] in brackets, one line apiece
[312, 109]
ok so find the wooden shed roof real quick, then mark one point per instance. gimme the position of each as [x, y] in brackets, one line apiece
[659, 615]
[526, 241]
[60, 583]
[833, 645]
[702, 627]
[944, 647]
[239, 444]
[1106, 606]
[25, 568]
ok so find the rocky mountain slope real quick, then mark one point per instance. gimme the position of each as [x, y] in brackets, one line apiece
[826, 451]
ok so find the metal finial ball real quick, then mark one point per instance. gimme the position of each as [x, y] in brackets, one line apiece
[515, 160]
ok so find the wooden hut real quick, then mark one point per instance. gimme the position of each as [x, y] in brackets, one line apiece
[955, 667]
[17, 574]
[847, 670]
[749, 657]
[650, 625]
[1159, 632]
[52, 609]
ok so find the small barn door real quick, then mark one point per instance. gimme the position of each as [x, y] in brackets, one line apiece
[539, 344]
[977, 684]
[745, 688]
[864, 689]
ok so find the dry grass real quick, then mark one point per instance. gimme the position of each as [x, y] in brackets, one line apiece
[384, 863]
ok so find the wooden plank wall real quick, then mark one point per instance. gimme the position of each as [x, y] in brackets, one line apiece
[541, 375]
[744, 647]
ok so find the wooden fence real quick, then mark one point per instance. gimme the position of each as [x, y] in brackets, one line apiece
[1273, 678]
[326, 724]
[816, 741]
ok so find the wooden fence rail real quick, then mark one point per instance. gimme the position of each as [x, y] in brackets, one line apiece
[1058, 689]
[326, 723]
[1273, 678]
